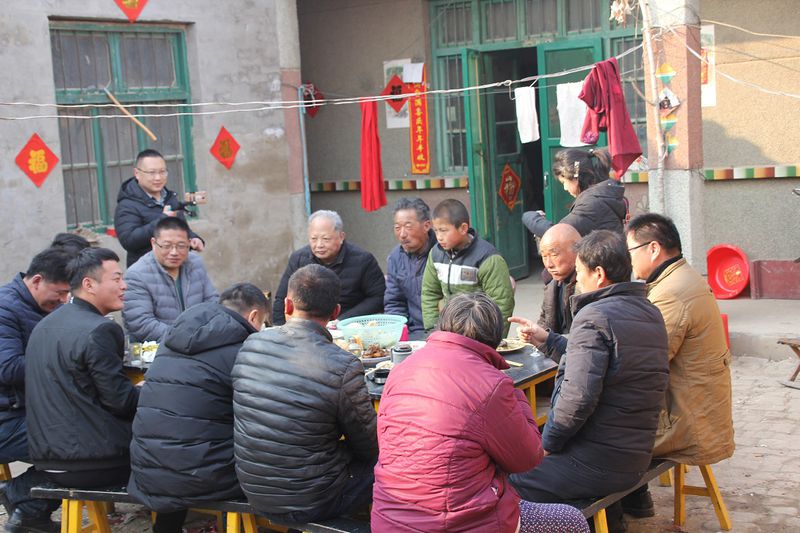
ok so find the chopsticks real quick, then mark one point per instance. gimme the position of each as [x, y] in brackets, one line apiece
[513, 363]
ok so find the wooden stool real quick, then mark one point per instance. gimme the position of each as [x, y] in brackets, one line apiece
[711, 490]
[5, 472]
[794, 344]
[72, 517]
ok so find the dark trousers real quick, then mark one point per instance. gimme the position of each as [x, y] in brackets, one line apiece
[170, 522]
[14, 447]
[107, 478]
[561, 478]
[355, 496]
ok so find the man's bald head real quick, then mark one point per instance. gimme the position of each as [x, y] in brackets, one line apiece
[557, 248]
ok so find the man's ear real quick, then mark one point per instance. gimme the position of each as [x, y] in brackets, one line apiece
[153, 243]
[87, 285]
[252, 318]
[600, 277]
[288, 306]
[36, 280]
[426, 225]
[335, 312]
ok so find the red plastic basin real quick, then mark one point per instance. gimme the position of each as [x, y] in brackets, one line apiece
[728, 270]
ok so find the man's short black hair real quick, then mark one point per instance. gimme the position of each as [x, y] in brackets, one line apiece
[607, 249]
[71, 242]
[651, 227]
[168, 223]
[453, 211]
[87, 264]
[149, 152]
[51, 264]
[315, 290]
[243, 297]
[417, 204]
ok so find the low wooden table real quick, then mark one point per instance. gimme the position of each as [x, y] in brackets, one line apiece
[535, 369]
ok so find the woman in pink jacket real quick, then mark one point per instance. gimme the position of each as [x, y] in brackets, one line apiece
[451, 427]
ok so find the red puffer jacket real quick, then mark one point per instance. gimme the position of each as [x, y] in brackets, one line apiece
[451, 427]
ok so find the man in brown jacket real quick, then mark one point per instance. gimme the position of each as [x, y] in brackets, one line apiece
[696, 426]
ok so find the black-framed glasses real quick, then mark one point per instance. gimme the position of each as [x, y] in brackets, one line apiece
[639, 246]
[180, 247]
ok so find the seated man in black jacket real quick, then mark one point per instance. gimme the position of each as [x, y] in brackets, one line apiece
[361, 278]
[182, 448]
[609, 387]
[295, 395]
[80, 402]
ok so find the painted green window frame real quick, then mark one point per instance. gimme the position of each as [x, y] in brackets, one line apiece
[179, 92]
[609, 32]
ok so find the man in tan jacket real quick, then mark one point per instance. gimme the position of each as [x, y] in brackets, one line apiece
[696, 426]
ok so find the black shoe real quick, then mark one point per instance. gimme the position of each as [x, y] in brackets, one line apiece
[4, 501]
[639, 503]
[20, 522]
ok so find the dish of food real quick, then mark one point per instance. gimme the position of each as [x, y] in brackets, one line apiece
[510, 345]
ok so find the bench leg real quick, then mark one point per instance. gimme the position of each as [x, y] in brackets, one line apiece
[234, 523]
[249, 523]
[64, 515]
[680, 495]
[98, 517]
[665, 479]
[600, 522]
[74, 516]
[5, 472]
[716, 498]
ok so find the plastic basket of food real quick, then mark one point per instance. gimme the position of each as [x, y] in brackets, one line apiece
[382, 331]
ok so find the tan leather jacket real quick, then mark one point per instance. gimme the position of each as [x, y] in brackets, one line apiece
[696, 426]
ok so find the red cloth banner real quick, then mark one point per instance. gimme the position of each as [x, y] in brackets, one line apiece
[373, 195]
[36, 160]
[418, 118]
[131, 8]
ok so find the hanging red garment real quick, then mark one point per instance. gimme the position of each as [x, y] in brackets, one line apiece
[373, 196]
[602, 92]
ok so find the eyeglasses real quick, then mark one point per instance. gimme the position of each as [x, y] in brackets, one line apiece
[151, 173]
[637, 247]
[180, 247]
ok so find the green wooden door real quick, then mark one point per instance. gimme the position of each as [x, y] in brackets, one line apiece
[496, 146]
[553, 58]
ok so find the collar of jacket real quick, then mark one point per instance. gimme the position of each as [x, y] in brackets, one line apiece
[308, 325]
[83, 304]
[623, 288]
[655, 274]
[462, 251]
[424, 252]
[340, 257]
[454, 341]
[25, 294]
[137, 193]
[571, 280]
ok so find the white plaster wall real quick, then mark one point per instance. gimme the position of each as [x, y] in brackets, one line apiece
[233, 54]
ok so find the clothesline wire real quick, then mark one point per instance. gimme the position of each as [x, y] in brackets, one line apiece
[295, 104]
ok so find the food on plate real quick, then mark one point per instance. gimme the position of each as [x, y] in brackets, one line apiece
[388, 365]
[373, 351]
[510, 345]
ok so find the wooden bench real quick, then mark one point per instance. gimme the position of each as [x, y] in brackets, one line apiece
[239, 515]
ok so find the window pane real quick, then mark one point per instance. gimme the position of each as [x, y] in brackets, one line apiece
[455, 123]
[454, 23]
[583, 15]
[500, 20]
[80, 60]
[80, 169]
[541, 17]
[120, 147]
[167, 129]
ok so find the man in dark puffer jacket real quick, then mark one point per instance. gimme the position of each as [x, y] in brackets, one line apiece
[610, 384]
[182, 447]
[295, 395]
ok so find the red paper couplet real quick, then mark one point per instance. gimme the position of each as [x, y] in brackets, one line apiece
[510, 185]
[131, 8]
[36, 160]
[225, 148]
[418, 130]
[395, 88]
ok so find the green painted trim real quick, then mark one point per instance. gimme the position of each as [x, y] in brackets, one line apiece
[121, 27]
[99, 158]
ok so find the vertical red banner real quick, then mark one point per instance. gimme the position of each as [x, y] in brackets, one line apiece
[418, 117]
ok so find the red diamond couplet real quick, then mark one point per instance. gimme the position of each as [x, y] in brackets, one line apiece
[36, 160]
[225, 148]
[395, 87]
[131, 8]
[510, 184]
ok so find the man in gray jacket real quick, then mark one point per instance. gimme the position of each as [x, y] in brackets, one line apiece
[164, 282]
[295, 395]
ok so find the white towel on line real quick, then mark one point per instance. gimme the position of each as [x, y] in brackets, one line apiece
[571, 113]
[527, 119]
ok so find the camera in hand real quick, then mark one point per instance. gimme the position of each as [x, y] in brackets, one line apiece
[192, 199]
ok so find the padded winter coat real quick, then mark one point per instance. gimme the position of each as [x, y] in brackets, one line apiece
[696, 427]
[79, 401]
[556, 317]
[182, 447]
[601, 206]
[611, 381]
[451, 427]
[152, 303]
[404, 283]
[136, 216]
[363, 283]
[19, 314]
[295, 394]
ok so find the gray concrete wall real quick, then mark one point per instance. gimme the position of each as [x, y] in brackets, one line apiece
[254, 211]
[751, 128]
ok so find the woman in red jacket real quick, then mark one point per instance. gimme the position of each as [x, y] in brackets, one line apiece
[451, 427]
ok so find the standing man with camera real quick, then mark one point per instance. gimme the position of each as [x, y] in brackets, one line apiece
[142, 201]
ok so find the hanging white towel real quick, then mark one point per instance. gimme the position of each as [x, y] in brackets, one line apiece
[571, 113]
[527, 119]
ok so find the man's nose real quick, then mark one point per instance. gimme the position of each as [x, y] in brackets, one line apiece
[63, 298]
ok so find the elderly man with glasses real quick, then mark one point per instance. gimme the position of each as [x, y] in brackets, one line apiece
[164, 282]
[142, 201]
